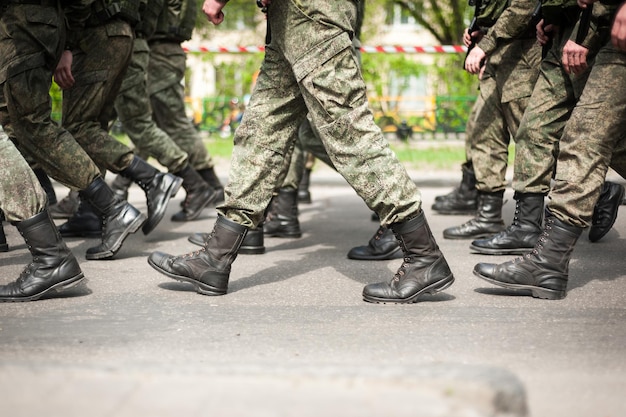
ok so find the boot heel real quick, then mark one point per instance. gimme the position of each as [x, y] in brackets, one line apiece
[440, 285]
[72, 282]
[548, 294]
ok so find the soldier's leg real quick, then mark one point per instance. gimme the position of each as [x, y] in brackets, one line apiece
[166, 70]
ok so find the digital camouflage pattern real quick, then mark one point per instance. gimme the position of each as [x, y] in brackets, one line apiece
[31, 41]
[311, 68]
[21, 195]
[135, 113]
[552, 101]
[166, 71]
[99, 62]
[510, 74]
[592, 141]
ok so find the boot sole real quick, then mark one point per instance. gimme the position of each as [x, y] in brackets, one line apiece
[132, 228]
[478, 236]
[511, 251]
[285, 235]
[537, 292]
[252, 250]
[396, 254]
[58, 287]
[152, 223]
[200, 287]
[431, 289]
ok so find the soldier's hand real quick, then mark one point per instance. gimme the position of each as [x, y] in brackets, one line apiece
[474, 60]
[574, 58]
[544, 32]
[213, 10]
[584, 3]
[63, 72]
[618, 31]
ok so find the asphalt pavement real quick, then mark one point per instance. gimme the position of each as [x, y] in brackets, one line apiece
[293, 336]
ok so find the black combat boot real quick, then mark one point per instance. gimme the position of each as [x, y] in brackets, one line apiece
[463, 199]
[382, 246]
[86, 222]
[282, 216]
[119, 219]
[521, 236]
[210, 177]
[46, 184]
[488, 220]
[544, 270]
[253, 244]
[424, 269]
[304, 195]
[65, 208]
[605, 211]
[120, 186]
[199, 195]
[4, 246]
[208, 269]
[54, 267]
[159, 188]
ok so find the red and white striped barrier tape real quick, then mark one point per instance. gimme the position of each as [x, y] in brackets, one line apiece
[441, 49]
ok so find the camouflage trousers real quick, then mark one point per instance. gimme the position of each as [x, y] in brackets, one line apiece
[552, 101]
[308, 143]
[505, 88]
[310, 67]
[135, 112]
[21, 195]
[594, 139]
[166, 70]
[98, 67]
[29, 51]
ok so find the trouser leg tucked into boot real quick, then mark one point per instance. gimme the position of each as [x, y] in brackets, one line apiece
[200, 194]
[382, 246]
[253, 243]
[424, 269]
[544, 270]
[463, 199]
[210, 177]
[488, 220]
[521, 236]
[282, 216]
[86, 222]
[54, 267]
[208, 269]
[119, 219]
[159, 188]
[605, 211]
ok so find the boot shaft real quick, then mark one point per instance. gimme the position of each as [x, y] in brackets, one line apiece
[468, 179]
[555, 245]
[101, 197]
[415, 237]
[42, 237]
[140, 172]
[192, 180]
[210, 177]
[224, 242]
[490, 206]
[529, 208]
[285, 204]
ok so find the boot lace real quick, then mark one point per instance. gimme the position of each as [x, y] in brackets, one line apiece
[199, 251]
